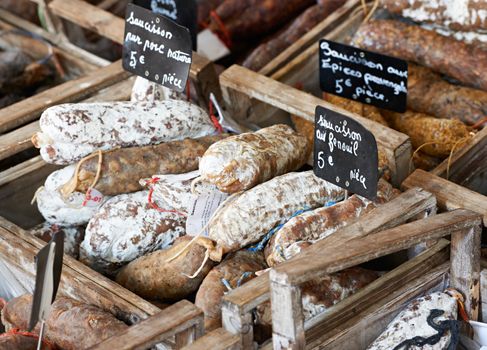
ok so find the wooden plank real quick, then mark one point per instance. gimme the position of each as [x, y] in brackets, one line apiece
[465, 268]
[73, 284]
[377, 290]
[21, 169]
[116, 291]
[359, 331]
[449, 195]
[467, 162]
[463, 225]
[309, 38]
[74, 90]
[70, 52]
[219, 339]
[88, 16]
[17, 140]
[240, 324]
[331, 258]
[175, 319]
[239, 84]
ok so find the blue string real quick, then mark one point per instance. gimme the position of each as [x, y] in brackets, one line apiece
[261, 245]
[239, 282]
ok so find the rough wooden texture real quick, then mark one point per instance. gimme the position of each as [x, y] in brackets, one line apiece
[88, 16]
[448, 194]
[463, 225]
[19, 139]
[332, 258]
[467, 164]
[179, 319]
[378, 290]
[74, 90]
[465, 268]
[87, 58]
[309, 38]
[240, 86]
[361, 330]
[239, 303]
[219, 339]
[77, 281]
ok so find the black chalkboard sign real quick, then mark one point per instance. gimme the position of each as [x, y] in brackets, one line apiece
[156, 48]
[183, 12]
[345, 153]
[363, 76]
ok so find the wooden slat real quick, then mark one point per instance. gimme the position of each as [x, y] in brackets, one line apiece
[74, 90]
[219, 339]
[449, 195]
[467, 162]
[73, 284]
[483, 292]
[21, 169]
[377, 290]
[361, 330]
[176, 318]
[310, 37]
[335, 258]
[116, 291]
[239, 83]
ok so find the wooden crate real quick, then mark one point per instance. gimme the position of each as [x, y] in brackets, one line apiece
[238, 305]
[17, 252]
[356, 321]
[252, 97]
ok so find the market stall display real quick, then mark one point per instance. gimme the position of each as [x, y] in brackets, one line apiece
[202, 203]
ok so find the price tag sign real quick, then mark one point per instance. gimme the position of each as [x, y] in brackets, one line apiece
[363, 76]
[183, 12]
[345, 153]
[156, 48]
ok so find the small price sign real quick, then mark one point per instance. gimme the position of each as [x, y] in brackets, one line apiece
[156, 48]
[345, 153]
[363, 76]
[183, 12]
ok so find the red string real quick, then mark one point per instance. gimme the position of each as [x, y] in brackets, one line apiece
[16, 331]
[225, 34]
[214, 119]
[153, 205]
[479, 123]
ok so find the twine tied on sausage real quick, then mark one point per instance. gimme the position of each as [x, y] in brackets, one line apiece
[71, 185]
[452, 151]
[153, 205]
[225, 34]
[368, 14]
[213, 252]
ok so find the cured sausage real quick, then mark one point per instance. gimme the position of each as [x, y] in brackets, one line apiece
[416, 321]
[121, 169]
[322, 293]
[235, 270]
[71, 325]
[267, 51]
[154, 278]
[147, 91]
[72, 131]
[127, 227]
[438, 136]
[65, 211]
[73, 236]
[429, 93]
[463, 15]
[250, 18]
[243, 161]
[22, 341]
[464, 62]
[317, 224]
[246, 218]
